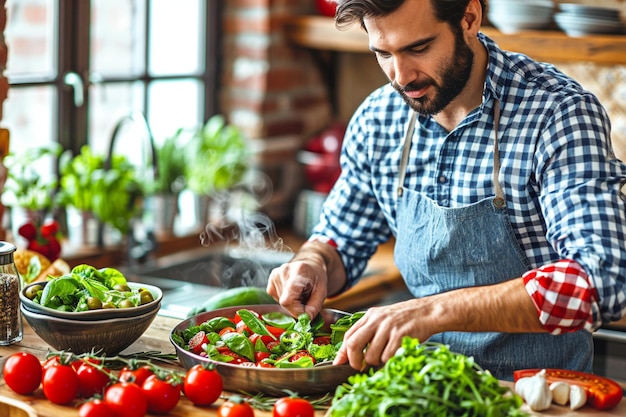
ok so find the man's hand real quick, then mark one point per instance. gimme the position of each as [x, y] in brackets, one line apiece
[504, 307]
[302, 284]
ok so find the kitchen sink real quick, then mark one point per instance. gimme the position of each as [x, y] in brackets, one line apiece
[187, 281]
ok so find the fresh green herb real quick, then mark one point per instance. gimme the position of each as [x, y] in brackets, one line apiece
[72, 291]
[342, 325]
[254, 323]
[425, 380]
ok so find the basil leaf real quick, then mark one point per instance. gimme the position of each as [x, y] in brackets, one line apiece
[216, 324]
[302, 362]
[341, 326]
[279, 319]
[254, 323]
[59, 287]
[239, 344]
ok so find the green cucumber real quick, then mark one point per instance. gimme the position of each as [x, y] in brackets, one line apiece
[232, 297]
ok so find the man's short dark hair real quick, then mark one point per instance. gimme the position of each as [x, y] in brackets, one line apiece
[350, 12]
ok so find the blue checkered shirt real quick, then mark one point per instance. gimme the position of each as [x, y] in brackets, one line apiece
[560, 178]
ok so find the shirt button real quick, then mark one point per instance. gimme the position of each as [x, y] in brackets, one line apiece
[442, 179]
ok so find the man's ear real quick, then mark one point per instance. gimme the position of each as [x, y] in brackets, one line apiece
[472, 19]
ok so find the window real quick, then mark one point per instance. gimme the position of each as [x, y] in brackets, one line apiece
[76, 67]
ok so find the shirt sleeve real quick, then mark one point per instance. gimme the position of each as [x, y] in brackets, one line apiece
[564, 296]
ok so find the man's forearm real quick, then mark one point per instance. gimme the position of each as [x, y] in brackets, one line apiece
[504, 307]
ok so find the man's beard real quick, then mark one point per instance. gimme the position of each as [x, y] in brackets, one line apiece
[454, 79]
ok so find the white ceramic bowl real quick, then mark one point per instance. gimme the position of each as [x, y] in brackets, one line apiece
[100, 314]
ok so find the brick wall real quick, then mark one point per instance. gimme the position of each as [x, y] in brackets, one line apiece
[272, 91]
[4, 83]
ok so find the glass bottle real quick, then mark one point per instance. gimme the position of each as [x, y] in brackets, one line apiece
[11, 330]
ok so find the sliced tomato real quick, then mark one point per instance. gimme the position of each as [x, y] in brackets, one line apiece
[322, 340]
[264, 338]
[259, 356]
[602, 393]
[275, 331]
[196, 342]
[227, 330]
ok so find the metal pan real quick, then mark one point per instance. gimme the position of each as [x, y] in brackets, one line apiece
[269, 381]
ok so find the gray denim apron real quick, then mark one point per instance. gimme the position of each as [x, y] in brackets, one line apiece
[440, 249]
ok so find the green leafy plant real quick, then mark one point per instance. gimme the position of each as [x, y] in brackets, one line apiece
[112, 193]
[26, 185]
[219, 157]
[171, 161]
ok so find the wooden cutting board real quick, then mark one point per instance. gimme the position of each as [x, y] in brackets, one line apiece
[156, 338]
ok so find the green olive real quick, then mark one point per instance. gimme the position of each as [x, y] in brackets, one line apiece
[94, 303]
[31, 292]
[108, 304]
[121, 287]
[145, 297]
[126, 304]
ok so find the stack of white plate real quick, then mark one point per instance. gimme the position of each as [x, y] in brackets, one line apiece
[512, 16]
[580, 20]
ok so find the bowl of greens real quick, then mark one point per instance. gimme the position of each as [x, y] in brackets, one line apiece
[87, 293]
[262, 349]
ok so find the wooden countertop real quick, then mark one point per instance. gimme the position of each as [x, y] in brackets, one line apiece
[156, 338]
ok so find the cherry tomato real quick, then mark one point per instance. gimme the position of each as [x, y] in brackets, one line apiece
[138, 375]
[22, 372]
[49, 229]
[60, 384]
[92, 380]
[27, 231]
[322, 340]
[227, 330]
[602, 393]
[259, 356]
[235, 408]
[242, 327]
[300, 354]
[275, 331]
[126, 399]
[95, 408]
[264, 338]
[203, 386]
[162, 395]
[292, 407]
[196, 342]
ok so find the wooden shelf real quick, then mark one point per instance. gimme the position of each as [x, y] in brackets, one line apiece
[318, 32]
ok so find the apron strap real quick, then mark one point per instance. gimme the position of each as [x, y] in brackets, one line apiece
[499, 198]
[405, 151]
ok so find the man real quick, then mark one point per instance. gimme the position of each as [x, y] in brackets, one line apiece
[505, 199]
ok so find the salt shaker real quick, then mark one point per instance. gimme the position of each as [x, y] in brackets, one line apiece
[11, 330]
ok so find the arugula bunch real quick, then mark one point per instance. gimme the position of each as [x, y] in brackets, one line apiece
[425, 380]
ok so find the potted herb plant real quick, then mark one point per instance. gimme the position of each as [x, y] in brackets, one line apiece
[31, 184]
[162, 191]
[219, 159]
[108, 194]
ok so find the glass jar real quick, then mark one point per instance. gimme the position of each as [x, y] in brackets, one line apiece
[11, 330]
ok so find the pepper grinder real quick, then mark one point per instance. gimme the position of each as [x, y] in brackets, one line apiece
[11, 329]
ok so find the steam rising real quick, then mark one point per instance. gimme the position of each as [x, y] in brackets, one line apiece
[252, 247]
